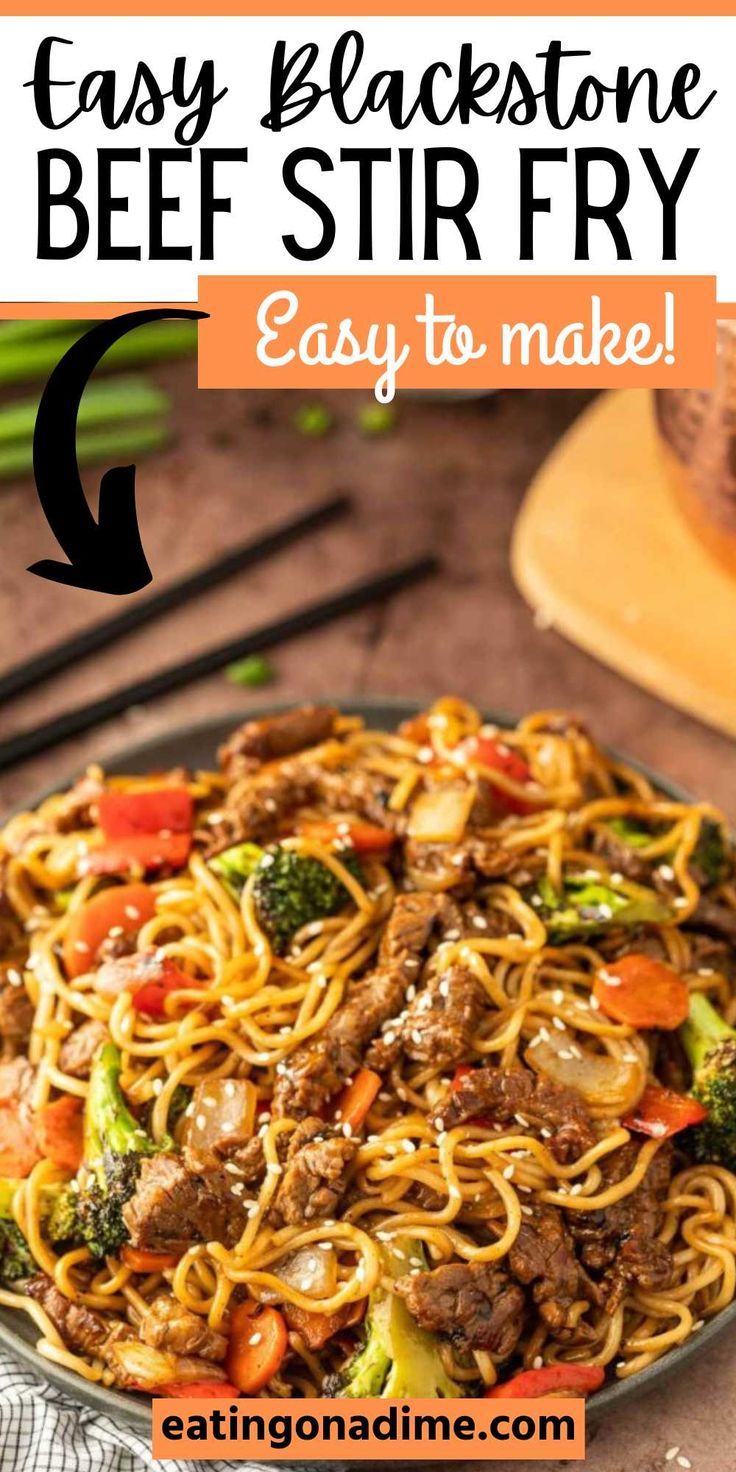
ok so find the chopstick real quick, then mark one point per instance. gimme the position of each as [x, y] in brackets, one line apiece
[35, 739]
[60, 656]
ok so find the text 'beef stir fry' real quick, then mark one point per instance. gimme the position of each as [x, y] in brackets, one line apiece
[373, 1063]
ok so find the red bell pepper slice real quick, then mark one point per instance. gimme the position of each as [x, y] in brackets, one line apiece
[193, 1390]
[550, 1380]
[365, 838]
[153, 809]
[489, 752]
[150, 829]
[662, 1112]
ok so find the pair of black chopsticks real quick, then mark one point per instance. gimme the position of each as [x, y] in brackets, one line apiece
[31, 741]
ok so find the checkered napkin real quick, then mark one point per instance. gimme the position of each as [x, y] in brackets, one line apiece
[41, 1430]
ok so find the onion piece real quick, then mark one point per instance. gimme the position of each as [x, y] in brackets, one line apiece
[311, 1270]
[223, 1113]
[141, 1365]
[441, 814]
[608, 1085]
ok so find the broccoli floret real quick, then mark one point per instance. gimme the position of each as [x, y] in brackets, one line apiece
[291, 889]
[630, 833]
[710, 862]
[710, 1045]
[235, 865]
[16, 1261]
[62, 1223]
[114, 1147]
[397, 1357]
[587, 906]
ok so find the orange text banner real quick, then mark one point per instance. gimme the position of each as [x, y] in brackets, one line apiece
[465, 332]
[370, 1430]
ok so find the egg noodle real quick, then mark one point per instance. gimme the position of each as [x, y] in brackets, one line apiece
[463, 1193]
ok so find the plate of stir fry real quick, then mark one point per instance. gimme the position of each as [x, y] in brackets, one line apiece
[380, 1052]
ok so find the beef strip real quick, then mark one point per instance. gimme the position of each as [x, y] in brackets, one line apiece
[275, 737]
[168, 1325]
[438, 1025]
[715, 917]
[620, 856]
[362, 793]
[314, 1179]
[258, 812]
[319, 1068]
[621, 1240]
[414, 920]
[81, 1328]
[476, 1304]
[505, 1094]
[179, 1200]
[78, 1050]
[16, 1010]
[544, 1255]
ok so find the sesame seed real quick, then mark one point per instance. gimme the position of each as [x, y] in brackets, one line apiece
[209, 1100]
[416, 1036]
[680, 903]
[508, 1172]
[132, 912]
[157, 1086]
[565, 1053]
[666, 871]
[544, 1035]
[684, 1462]
[576, 1189]
[438, 1123]
[594, 1004]
[671, 1454]
[201, 1121]
[559, 1024]
[229, 1089]
[558, 997]
[237, 1188]
[255, 1338]
[408, 1146]
[536, 1040]
[537, 1362]
[480, 922]
[274, 1169]
[232, 1168]
[82, 947]
[115, 931]
[347, 1129]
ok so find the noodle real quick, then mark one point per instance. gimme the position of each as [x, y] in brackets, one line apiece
[546, 804]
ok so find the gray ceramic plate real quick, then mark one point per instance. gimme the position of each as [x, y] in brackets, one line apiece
[195, 747]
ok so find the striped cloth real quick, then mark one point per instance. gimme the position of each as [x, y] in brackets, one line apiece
[41, 1430]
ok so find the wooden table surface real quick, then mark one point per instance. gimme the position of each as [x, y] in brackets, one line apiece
[449, 478]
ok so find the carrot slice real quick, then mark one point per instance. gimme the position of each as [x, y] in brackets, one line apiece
[258, 1343]
[365, 838]
[124, 905]
[356, 1099]
[142, 1260]
[19, 1150]
[642, 992]
[58, 1129]
[550, 1380]
[662, 1112]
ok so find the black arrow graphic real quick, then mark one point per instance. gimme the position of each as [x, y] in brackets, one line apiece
[105, 555]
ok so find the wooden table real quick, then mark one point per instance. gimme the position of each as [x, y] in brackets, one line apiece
[449, 478]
